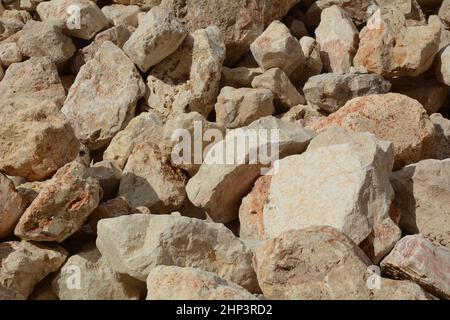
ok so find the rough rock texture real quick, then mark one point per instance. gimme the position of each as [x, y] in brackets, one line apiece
[277, 48]
[158, 35]
[119, 14]
[417, 259]
[442, 66]
[331, 91]
[338, 40]
[53, 141]
[137, 243]
[358, 10]
[61, 207]
[422, 194]
[97, 280]
[12, 205]
[239, 77]
[313, 263]
[237, 108]
[390, 48]
[23, 264]
[103, 98]
[384, 115]
[175, 283]
[442, 135]
[313, 62]
[149, 180]
[400, 290]
[9, 54]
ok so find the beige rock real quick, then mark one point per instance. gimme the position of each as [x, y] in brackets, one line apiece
[110, 209]
[410, 9]
[277, 48]
[36, 78]
[313, 62]
[400, 290]
[12, 205]
[442, 136]
[317, 263]
[159, 35]
[143, 4]
[53, 141]
[338, 40]
[219, 186]
[188, 80]
[146, 127]
[239, 77]
[77, 18]
[390, 48]
[275, 80]
[444, 12]
[9, 26]
[43, 39]
[175, 283]
[9, 54]
[29, 5]
[384, 115]
[61, 207]
[149, 180]
[108, 175]
[304, 115]
[118, 14]
[103, 98]
[358, 10]
[30, 190]
[330, 91]
[442, 66]
[97, 280]
[236, 108]
[416, 258]
[137, 243]
[422, 193]
[23, 264]
[1, 73]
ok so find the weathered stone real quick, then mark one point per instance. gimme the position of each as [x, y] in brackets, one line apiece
[239, 77]
[275, 80]
[103, 98]
[108, 175]
[422, 193]
[313, 62]
[143, 4]
[442, 65]
[338, 40]
[390, 48]
[9, 26]
[358, 10]
[36, 78]
[97, 280]
[331, 91]
[35, 138]
[236, 108]
[175, 283]
[77, 18]
[44, 39]
[147, 127]
[313, 263]
[158, 35]
[444, 12]
[384, 115]
[219, 187]
[1, 73]
[30, 190]
[277, 48]
[9, 54]
[442, 136]
[110, 209]
[23, 264]
[12, 205]
[137, 243]
[118, 14]
[415, 258]
[400, 290]
[188, 80]
[149, 180]
[304, 115]
[61, 207]
[409, 8]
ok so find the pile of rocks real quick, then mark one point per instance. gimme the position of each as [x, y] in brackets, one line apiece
[94, 203]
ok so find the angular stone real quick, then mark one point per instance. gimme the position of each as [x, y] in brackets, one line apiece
[415, 258]
[218, 188]
[149, 180]
[442, 66]
[277, 48]
[146, 127]
[108, 175]
[77, 18]
[390, 48]
[12, 205]
[275, 80]
[400, 290]
[239, 77]
[103, 98]
[30, 190]
[36, 78]
[422, 193]
[358, 10]
[61, 207]
[331, 91]
[44, 39]
[9, 54]
[236, 108]
[53, 141]
[338, 40]
[137, 243]
[384, 115]
[175, 283]
[313, 62]
[158, 35]
[110, 209]
[318, 263]
[143, 4]
[444, 12]
[304, 115]
[442, 136]
[23, 264]
[97, 280]
[118, 14]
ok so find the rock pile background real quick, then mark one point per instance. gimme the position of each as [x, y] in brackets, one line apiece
[92, 205]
